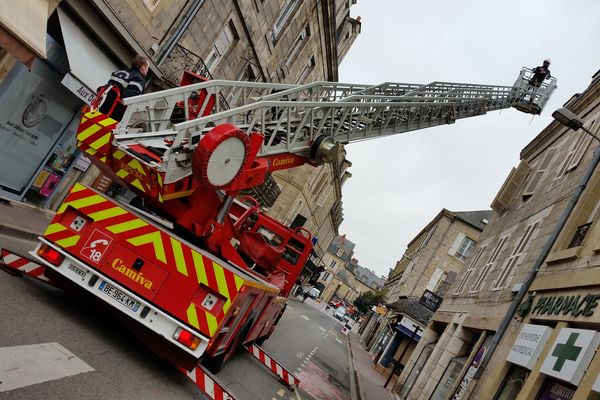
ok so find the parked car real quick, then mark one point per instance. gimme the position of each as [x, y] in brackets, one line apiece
[314, 293]
[340, 313]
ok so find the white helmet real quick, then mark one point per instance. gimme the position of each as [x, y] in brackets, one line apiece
[547, 60]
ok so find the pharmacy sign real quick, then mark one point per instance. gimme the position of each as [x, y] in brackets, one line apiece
[571, 354]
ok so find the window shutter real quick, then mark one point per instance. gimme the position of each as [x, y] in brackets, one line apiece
[456, 244]
[511, 186]
[539, 173]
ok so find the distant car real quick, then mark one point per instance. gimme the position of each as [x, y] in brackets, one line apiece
[336, 303]
[314, 293]
[340, 313]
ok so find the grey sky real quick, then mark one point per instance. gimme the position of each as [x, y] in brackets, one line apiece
[401, 182]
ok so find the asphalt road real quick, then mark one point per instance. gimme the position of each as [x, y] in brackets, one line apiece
[113, 365]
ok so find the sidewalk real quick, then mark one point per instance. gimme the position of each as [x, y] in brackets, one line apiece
[23, 220]
[370, 382]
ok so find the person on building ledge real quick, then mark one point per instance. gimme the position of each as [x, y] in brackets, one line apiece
[122, 84]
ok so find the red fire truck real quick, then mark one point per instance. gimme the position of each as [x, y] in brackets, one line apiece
[192, 267]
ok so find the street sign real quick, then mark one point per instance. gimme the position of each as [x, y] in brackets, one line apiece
[431, 300]
[571, 354]
[528, 345]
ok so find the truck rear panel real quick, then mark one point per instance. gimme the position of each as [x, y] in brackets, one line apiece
[140, 265]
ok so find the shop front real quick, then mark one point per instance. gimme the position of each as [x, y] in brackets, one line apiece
[40, 105]
[554, 355]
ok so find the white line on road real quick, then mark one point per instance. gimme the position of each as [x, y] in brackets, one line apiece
[339, 341]
[323, 329]
[305, 317]
[37, 363]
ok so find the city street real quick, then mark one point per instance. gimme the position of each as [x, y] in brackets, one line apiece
[114, 365]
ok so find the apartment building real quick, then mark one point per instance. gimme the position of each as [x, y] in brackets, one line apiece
[419, 281]
[541, 247]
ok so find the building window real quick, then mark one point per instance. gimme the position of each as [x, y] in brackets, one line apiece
[576, 153]
[436, 279]
[297, 46]
[247, 75]
[151, 4]
[223, 42]
[429, 235]
[485, 270]
[514, 258]
[470, 270]
[333, 264]
[465, 249]
[284, 16]
[310, 65]
[537, 176]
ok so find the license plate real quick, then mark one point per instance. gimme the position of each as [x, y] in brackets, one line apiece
[79, 271]
[118, 295]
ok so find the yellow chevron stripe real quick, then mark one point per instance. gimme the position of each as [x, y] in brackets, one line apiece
[199, 265]
[90, 151]
[192, 316]
[127, 226]
[78, 187]
[160, 179]
[122, 173]
[53, 228]
[135, 164]
[68, 242]
[221, 282]
[105, 214]
[81, 136]
[107, 121]
[138, 185]
[103, 159]
[102, 141]
[179, 260]
[86, 201]
[238, 282]
[212, 323]
[118, 154]
[156, 240]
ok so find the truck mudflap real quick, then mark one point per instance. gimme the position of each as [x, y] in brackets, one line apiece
[285, 376]
[17, 264]
[207, 383]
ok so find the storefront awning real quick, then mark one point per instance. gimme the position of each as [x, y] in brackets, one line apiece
[89, 67]
[23, 28]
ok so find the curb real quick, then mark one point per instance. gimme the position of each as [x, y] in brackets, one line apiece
[354, 392]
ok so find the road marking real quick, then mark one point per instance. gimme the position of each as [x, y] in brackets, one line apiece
[281, 392]
[339, 341]
[290, 307]
[305, 317]
[323, 329]
[27, 365]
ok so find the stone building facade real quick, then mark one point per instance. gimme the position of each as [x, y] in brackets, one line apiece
[430, 262]
[484, 342]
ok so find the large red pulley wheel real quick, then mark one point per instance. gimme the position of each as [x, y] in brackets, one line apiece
[220, 156]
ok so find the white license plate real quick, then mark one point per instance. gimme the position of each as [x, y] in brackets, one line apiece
[118, 295]
[79, 271]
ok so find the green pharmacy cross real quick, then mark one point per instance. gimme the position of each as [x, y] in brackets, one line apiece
[566, 351]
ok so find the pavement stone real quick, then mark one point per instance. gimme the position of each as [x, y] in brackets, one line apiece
[370, 382]
[23, 219]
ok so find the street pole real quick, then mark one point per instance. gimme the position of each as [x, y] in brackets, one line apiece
[397, 363]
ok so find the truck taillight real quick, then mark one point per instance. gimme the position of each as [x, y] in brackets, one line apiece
[49, 254]
[186, 338]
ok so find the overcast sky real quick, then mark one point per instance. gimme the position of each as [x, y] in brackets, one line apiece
[400, 183]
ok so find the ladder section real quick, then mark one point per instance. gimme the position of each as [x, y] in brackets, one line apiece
[291, 117]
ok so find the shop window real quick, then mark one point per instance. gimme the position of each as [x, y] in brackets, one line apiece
[512, 383]
[416, 371]
[555, 390]
[450, 376]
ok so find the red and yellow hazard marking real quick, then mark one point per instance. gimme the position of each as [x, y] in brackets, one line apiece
[95, 133]
[189, 269]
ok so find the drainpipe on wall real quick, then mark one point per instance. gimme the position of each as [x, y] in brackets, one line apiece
[179, 31]
[538, 262]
